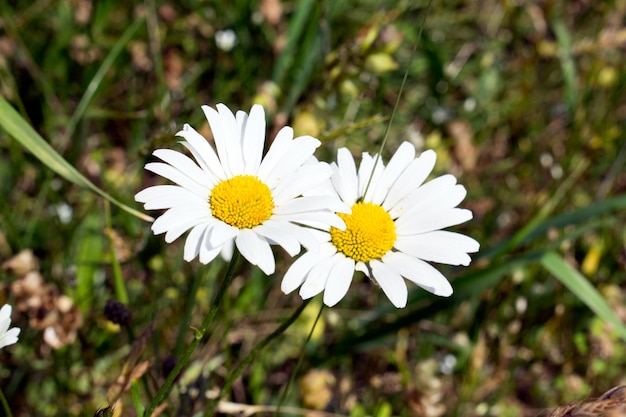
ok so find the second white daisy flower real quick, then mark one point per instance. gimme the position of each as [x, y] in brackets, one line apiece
[234, 195]
[392, 232]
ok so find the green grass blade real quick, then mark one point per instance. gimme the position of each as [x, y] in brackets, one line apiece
[20, 130]
[568, 65]
[89, 249]
[540, 218]
[296, 27]
[95, 82]
[583, 289]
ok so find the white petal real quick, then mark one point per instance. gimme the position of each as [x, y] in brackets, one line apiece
[440, 193]
[369, 175]
[279, 236]
[409, 181]
[439, 246]
[221, 137]
[418, 203]
[279, 147]
[208, 253]
[432, 220]
[302, 180]
[227, 250]
[403, 156]
[202, 151]
[304, 235]
[194, 241]
[233, 141]
[220, 233]
[187, 166]
[317, 219]
[179, 177]
[161, 197]
[315, 281]
[312, 204]
[345, 178]
[339, 280]
[10, 337]
[256, 250]
[5, 318]
[177, 220]
[253, 139]
[391, 282]
[297, 272]
[420, 272]
[299, 151]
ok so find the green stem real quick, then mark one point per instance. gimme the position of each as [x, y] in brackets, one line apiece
[191, 300]
[297, 368]
[199, 334]
[5, 405]
[118, 279]
[232, 377]
[397, 103]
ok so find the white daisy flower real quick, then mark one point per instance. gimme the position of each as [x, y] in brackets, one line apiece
[7, 336]
[392, 232]
[236, 195]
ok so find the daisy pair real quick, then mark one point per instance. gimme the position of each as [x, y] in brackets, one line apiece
[382, 221]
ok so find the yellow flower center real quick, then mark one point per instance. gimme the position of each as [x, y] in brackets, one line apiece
[370, 233]
[242, 201]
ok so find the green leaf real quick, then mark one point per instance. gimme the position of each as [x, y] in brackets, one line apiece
[583, 289]
[20, 130]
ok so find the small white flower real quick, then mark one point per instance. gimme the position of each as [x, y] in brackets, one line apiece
[225, 39]
[7, 336]
[238, 196]
[392, 232]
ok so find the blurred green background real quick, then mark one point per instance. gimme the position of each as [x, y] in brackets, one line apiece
[524, 102]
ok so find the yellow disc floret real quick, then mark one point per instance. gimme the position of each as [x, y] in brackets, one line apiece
[242, 201]
[370, 233]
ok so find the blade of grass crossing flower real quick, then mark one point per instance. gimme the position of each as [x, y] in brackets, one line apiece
[583, 289]
[20, 130]
[395, 106]
[95, 82]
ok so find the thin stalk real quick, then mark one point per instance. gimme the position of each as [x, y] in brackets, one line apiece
[199, 334]
[232, 377]
[191, 299]
[5, 405]
[118, 279]
[297, 368]
[395, 106]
